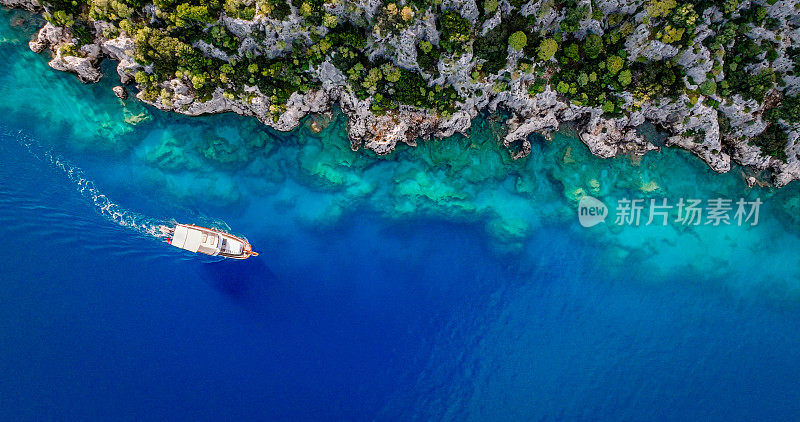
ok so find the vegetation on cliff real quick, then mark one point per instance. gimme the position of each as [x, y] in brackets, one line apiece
[614, 57]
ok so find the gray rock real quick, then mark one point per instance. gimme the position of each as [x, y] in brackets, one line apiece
[692, 125]
[121, 49]
[31, 5]
[50, 36]
[84, 67]
[120, 92]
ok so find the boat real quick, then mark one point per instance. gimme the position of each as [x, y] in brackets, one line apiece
[208, 241]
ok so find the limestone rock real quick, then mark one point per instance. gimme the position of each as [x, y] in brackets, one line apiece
[692, 123]
[50, 36]
[120, 92]
[121, 49]
[84, 67]
[31, 5]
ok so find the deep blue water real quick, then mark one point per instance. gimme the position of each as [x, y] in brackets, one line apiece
[366, 320]
[443, 283]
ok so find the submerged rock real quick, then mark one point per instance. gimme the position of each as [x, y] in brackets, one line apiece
[523, 88]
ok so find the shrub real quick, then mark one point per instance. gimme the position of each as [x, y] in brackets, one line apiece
[330, 21]
[490, 6]
[708, 87]
[773, 142]
[427, 56]
[772, 54]
[240, 10]
[730, 6]
[220, 37]
[788, 110]
[69, 49]
[455, 31]
[575, 14]
[278, 9]
[311, 10]
[657, 79]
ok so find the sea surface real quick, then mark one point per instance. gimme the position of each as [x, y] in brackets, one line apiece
[444, 282]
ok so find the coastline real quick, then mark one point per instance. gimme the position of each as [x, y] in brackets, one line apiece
[235, 167]
[442, 281]
[540, 114]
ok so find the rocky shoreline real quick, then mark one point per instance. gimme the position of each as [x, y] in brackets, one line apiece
[692, 124]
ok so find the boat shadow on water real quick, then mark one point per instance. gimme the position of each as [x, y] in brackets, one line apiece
[245, 281]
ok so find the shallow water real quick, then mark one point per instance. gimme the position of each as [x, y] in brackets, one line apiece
[442, 282]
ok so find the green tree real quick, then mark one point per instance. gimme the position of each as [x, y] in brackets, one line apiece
[455, 31]
[572, 52]
[186, 11]
[330, 21]
[141, 77]
[773, 142]
[425, 46]
[659, 8]
[226, 68]
[614, 64]
[518, 40]
[730, 6]
[593, 46]
[547, 48]
[624, 77]
[671, 34]
[60, 18]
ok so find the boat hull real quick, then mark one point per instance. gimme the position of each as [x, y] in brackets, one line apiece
[209, 241]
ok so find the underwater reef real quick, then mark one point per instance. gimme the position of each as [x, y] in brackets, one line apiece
[234, 167]
[719, 78]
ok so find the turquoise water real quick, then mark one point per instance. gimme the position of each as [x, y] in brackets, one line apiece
[443, 281]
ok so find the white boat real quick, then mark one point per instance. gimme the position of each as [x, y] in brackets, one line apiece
[209, 241]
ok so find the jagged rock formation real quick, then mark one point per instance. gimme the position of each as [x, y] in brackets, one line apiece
[606, 66]
[120, 92]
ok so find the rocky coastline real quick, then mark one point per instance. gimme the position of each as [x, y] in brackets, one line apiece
[692, 122]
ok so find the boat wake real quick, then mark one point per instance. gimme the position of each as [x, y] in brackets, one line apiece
[102, 204]
[105, 206]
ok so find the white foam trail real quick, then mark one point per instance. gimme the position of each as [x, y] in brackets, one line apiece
[104, 206]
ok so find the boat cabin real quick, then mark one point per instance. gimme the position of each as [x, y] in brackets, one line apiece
[207, 241]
